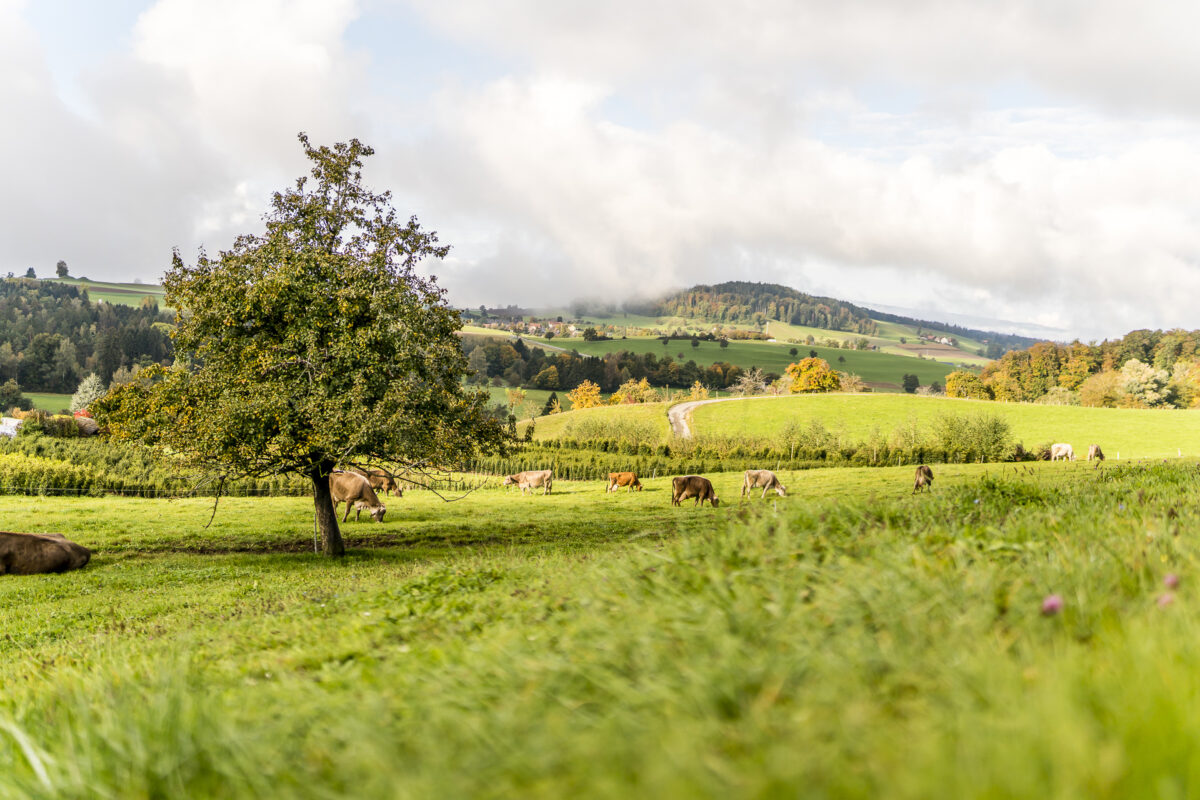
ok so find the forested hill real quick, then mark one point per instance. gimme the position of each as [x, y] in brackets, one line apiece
[52, 335]
[755, 303]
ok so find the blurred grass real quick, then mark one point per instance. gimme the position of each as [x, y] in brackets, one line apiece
[850, 640]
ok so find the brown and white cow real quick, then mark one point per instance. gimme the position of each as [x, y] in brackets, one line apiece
[687, 486]
[34, 553]
[354, 490]
[627, 479]
[764, 479]
[531, 479]
[1094, 452]
[1063, 451]
[923, 479]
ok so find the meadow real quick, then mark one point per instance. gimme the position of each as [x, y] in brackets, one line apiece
[1131, 433]
[125, 294]
[850, 640]
[48, 401]
[882, 370]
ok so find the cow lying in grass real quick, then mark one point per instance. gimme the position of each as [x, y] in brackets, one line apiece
[627, 479]
[354, 490]
[31, 554]
[764, 479]
[530, 480]
[688, 486]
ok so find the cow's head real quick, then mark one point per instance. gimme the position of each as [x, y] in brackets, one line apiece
[378, 512]
[510, 480]
[715, 501]
[637, 484]
[780, 490]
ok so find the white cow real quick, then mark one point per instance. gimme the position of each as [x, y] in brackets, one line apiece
[530, 480]
[1063, 451]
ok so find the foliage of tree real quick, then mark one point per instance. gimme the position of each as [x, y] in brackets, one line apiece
[551, 402]
[11, 397]
[585, 395]
[314, 344]
[698, 391]
[547, 379]
[851, 382]
[1143, 385]
[60, 269]
[635, 392]
[90, 390]
[910, 382]
[750, 383]
[1102, 390]
[967, 384]
[812, 375]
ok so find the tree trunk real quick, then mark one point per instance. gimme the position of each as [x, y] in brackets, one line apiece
[326, 517]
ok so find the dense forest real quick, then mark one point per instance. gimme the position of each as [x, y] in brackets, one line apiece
[755, 303]
[52, 335]
[1143, 369]
[516, 364]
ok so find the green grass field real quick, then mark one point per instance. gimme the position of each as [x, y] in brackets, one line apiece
[651, 417]
[850, 640]
[48, 401]
[876, 368]
[1134, 433]
[126, 294]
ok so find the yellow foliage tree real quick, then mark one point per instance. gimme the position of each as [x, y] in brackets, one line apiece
[632, 391]
[699, 391]
[966, 384]
[585, 395]
[813, 375]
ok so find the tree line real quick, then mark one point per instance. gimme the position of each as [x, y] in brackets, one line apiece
[53, 334]
[517, 364]
[757, 303]
[1143, 369]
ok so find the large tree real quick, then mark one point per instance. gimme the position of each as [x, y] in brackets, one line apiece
[311, 345]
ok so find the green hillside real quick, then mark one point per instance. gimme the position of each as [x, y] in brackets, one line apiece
[125, 294]
[1134, 433]
[883, 371]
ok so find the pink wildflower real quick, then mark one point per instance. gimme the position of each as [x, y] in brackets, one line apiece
[1052, 605]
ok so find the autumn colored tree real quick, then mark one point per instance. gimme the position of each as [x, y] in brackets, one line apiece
[966, 384]
[1101, 390]
[585, 395]
[813, 375]
[313, 344]
[632, 391]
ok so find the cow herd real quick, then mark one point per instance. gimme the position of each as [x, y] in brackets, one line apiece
[683, 487]
[1062, 451]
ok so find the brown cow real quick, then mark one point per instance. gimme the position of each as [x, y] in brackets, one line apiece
[688, 486]
[382, 482]
[1094, 451]
[354, 490]
[924, 478]
[627, 479]
[764, 478]
[30, 553]
[531, 479]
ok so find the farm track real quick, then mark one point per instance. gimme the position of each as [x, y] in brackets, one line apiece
[678, 414]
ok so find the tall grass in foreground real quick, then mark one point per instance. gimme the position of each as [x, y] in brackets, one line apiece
[860, 647]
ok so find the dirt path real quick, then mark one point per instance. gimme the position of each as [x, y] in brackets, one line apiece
[678, 415]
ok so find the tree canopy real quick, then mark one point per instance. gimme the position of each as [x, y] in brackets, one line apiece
[312, 345]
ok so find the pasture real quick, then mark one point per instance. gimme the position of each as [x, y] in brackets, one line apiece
[882, 370]
[1134, 433]
[848, 640]
[125, 294]
[49, 401]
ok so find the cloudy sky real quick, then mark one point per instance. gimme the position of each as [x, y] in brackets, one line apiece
[1030, 160]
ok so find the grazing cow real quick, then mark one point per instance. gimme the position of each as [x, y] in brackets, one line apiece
[764, 478]
[30, 554]
[1063, 451]
[1094, 451]
[627, 479]
[924, 478]
[531, 479]
[354, 490]
[382, 482]
[688, 486]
